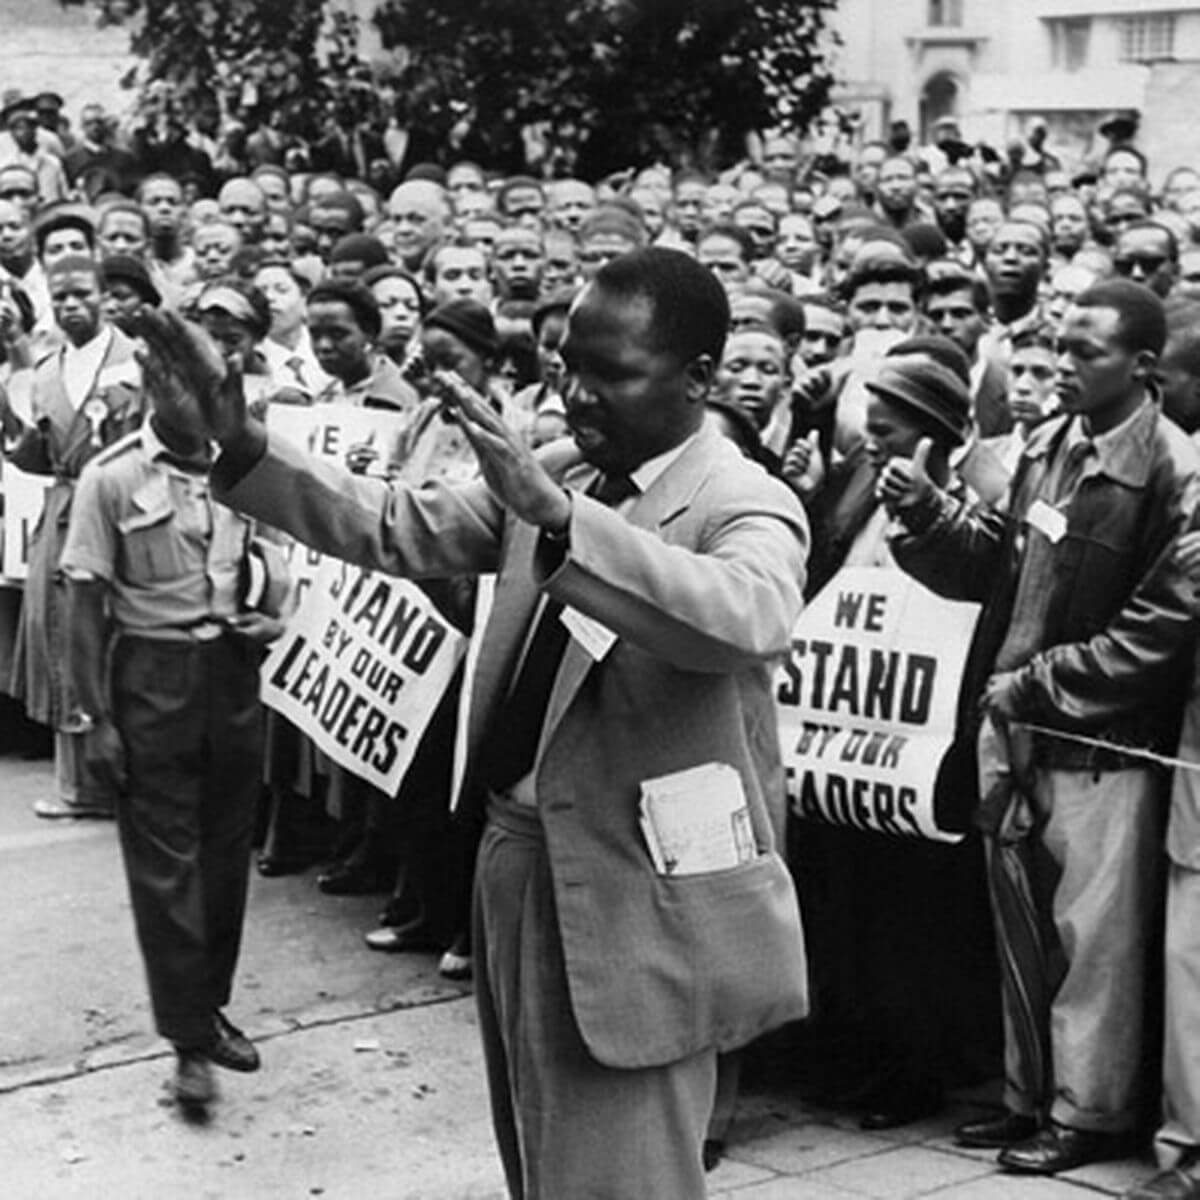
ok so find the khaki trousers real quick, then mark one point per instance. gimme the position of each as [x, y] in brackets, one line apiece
[1180, 1132]
[1103, 834]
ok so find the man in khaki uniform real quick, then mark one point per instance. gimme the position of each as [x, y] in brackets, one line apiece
[176, 724]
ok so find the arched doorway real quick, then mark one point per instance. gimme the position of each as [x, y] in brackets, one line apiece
[939, 98]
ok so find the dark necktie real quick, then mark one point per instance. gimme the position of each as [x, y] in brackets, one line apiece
[294, 364]
[518, 725]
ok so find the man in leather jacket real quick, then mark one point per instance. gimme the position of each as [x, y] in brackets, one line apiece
[1086, 631]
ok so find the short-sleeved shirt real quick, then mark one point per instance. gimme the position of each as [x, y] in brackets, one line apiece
[146, 523]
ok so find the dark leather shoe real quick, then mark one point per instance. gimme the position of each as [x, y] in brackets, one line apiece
[231, 1048]
[193, 1084]
[712, 1152]
[994, 1133]
[1175, 1184]
[903, 1106]
[1060, 1148]
[355, 879]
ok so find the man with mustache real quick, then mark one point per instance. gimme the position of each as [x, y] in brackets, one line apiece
[605, 987]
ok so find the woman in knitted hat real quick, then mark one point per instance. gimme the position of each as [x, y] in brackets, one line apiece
[888, 917]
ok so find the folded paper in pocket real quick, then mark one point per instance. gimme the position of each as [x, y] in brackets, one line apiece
[697, 820]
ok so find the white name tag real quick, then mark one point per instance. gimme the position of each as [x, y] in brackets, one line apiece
[595, 638]
[1047, 520]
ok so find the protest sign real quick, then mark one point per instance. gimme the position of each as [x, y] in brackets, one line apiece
[24, 499]
[361, 668]
[328, 431]
[867, 700]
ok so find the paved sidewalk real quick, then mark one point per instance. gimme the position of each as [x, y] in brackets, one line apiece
[391, 1105]
[780, 1150]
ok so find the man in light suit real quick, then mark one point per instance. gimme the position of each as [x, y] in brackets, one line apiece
[605, 989]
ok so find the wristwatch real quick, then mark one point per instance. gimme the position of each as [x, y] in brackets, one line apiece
[77, 722]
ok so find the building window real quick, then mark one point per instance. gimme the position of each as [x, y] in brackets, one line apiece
[944, 13]
[1069, 37]
[1147, 38]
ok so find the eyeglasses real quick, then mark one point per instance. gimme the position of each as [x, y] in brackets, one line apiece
[1149, 263]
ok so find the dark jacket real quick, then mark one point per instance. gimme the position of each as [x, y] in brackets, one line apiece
[1113, 655]
[837, 515]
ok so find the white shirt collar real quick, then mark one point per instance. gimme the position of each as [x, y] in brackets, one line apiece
[652, 468]
[81, 365]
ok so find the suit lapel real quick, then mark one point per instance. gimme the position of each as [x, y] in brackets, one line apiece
[517, 594]
[667, 498]
[79, 431]
[513, 607]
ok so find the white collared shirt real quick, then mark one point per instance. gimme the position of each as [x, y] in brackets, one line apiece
[295, 368]
[81, 366]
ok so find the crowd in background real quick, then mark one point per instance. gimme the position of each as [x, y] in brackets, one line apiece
[345, 271]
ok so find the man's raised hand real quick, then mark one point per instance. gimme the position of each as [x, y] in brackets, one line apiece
[509, 467]
[192, 388]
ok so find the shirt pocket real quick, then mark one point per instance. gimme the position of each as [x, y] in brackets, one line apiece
[151, 546]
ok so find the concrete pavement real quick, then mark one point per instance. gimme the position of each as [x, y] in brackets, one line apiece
[391, 1106]
[372, 1083]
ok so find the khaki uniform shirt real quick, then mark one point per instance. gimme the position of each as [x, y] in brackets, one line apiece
[147, 524]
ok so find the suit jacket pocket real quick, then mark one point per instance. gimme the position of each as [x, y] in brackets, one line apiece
[745, 931]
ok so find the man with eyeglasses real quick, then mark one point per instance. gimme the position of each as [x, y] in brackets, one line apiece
[1148, 253]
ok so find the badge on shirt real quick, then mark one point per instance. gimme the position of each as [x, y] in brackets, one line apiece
[1047, 520]
[595, 638]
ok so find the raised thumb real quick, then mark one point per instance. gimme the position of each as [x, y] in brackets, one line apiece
[814, 439]
[920, 458]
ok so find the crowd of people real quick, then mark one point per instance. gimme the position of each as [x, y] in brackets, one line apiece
[981, 371]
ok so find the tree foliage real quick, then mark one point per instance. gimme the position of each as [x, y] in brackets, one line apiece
[587, 85]
[251, 56]
[612, 81]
